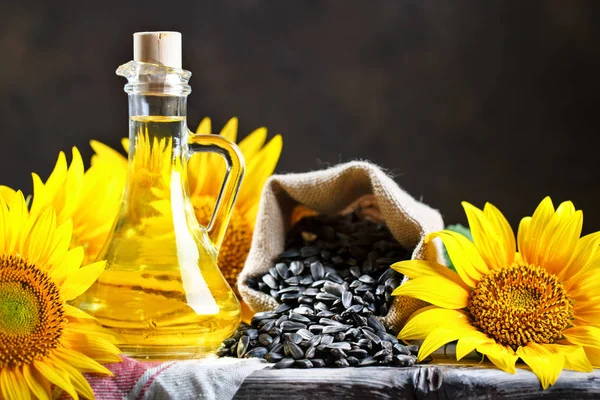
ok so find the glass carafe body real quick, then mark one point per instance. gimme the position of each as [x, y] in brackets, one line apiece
[162, 292]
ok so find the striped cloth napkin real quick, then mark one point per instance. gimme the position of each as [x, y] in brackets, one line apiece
[211, 378]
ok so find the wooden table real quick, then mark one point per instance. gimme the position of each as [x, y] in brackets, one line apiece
[439, 381]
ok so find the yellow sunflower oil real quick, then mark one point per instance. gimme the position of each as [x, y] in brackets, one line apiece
[162, 292]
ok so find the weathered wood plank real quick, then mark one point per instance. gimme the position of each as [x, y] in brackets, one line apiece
[423, 382]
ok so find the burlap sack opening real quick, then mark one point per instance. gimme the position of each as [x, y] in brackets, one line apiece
[332, 191]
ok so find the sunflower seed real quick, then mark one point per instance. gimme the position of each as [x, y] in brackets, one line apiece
[326, 297]
[299, 318]
[257, 352]
[292, 326]
[339, 345]
[387, 337]
[347, 299]
[290, 297]
[282, 308]
[293, 281]
[222, 351]
[265, 339]
[282, 270]
[242, 346]
[273, 357]
[375, 324]
[414, 349]
[314, 341]
[403, 360]
[341, 363]
[308, 251]
[285, 363]
[401, 349]
[335, 329]
[355, 272]
[293, 349]
[326, 340]
[290, 289]
[337, 353]
[307, 280]
[368, 361]
[352, 361]
[310, 352]
[305, 334]
[276, 347]
[270, 281]
[317, 271]
[334, 277]
[366, 279]
[358, 353]
[296, 267]
[318, 363]
[304, 364]
[371, 336]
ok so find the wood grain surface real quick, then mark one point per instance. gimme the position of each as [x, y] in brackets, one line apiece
[440, 381]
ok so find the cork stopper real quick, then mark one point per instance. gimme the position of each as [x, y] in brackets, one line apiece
[158, 48]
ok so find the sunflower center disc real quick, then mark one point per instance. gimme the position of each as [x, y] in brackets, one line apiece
[31, 312]
[18, 309]
[521, 304]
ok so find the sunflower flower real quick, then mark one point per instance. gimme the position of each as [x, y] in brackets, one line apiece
[43, 340]
[205, 176]
[539, 305]
[89, 198]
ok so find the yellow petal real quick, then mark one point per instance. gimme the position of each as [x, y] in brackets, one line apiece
[435, 290]
[587, 248]
[436, 339]
[7, 193]
[418, 268]
[81, 362]
[12, 385]
[40, 238]
[575, 357]
[491, 237]
[80, 281]
[470, 341]
[76, 312]
[39, 389]
[18, 223]
[464, 255]
[252, 143]
[501, 356]
[593, 355]
[205, 127]
[68, 264]
[587, 336]
[77, 380]
[560, 239]
[544, 363]
[258, 171]
[54, 376]
[108, 155]
[4, 228]
[424, 321]
[532, 229]
[230, 129]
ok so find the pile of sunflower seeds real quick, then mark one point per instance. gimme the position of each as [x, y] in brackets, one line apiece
[332, 281]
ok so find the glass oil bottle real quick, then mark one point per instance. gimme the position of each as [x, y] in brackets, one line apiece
[162, 293]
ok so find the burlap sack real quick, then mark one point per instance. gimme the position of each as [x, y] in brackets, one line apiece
[330, 192]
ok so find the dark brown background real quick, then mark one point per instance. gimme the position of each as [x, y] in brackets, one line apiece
[462, 100]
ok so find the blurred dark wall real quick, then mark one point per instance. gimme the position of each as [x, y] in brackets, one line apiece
[462, 100]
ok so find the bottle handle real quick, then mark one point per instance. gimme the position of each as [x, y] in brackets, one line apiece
[234, 160]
